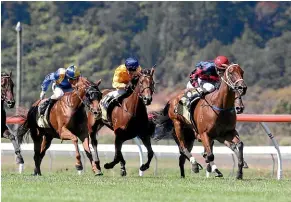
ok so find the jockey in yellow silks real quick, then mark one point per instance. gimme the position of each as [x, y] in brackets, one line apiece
[122, 76]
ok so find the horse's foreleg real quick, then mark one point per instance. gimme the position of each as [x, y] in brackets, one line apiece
[211, 167]
[239, 146]
[182, 160]
[37, 147]
[234, 149]
[118, 155]
[206, 141]
[94, 143]
[66, 134]
[181, 142]
[89, 156]
[147, 143]
[46, 143]
[11, 137]
[233, 142]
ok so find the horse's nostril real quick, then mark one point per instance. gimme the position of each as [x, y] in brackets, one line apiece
[95, 113]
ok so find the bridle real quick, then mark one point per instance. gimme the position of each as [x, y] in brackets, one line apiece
[4, 90]
[151, 86]
[87, 101]
[232, 85]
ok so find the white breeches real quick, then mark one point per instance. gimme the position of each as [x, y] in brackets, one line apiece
[116, 93]
[58, 92]
[210, 87]
[189, 85]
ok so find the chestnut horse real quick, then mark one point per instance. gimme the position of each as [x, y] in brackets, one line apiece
[68, 121]
[214, 117]
[129, 119]
[7, 97]
[161, 126]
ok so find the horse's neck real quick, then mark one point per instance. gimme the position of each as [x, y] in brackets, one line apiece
[132, 101]
[75, 98]
[225, 97]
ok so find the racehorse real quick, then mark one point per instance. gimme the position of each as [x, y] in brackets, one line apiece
[67, 120]
[7, 97]
[214, 118]
[128, 119]
[161, 126]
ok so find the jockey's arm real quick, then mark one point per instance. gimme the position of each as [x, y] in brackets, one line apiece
[47, 81]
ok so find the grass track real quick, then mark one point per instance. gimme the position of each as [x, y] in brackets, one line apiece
[67, 186]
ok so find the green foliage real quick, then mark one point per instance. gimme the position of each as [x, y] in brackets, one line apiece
[98, 36]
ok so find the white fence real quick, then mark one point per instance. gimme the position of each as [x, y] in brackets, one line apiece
[163, 149]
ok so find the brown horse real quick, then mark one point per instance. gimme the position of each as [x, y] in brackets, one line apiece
[129, 119]
[161, 126]
[68, 121]
[7, 97]
[214, 117]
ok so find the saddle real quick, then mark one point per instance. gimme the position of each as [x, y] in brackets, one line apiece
[186, 106]
[43, 121]
[107, 104]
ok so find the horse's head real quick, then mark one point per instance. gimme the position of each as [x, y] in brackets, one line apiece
[145, 85]
[232, 75]
[7, 89]
[90, 95]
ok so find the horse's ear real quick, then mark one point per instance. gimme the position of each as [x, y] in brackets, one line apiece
[98, 82]
[152, 71]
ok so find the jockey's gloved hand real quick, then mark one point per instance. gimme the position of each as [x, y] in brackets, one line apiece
[42, 95]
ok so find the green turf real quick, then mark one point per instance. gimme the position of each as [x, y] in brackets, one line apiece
[167, 186]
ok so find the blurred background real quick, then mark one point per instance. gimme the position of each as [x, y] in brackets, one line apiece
[99, 36]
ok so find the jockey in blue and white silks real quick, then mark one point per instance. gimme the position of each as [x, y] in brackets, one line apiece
[60, 86]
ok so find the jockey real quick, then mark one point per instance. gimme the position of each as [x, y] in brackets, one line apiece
[205, 77]
[62, 80]
[122, 76]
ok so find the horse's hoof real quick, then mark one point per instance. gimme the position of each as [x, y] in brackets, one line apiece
[108, 166]
[123, 173]
[144, 167]
[208, 168]
[98, 173]
[79, 167]
[195, 168]
[218, 173]
[239, 176]
[245, 165]
[19, 160]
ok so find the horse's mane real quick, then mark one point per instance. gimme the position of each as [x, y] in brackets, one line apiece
[4, 74]
[146, 72]
[88, 82]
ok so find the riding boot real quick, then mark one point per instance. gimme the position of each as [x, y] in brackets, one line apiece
[51, 104]
[43, 106]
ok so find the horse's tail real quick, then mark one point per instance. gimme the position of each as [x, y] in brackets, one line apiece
[160, 124]
[24, 128]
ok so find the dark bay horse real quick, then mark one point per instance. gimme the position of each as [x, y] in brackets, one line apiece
[129, 119]
[215, 118]
[68, 121]
[7, 97]
[161, 126]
